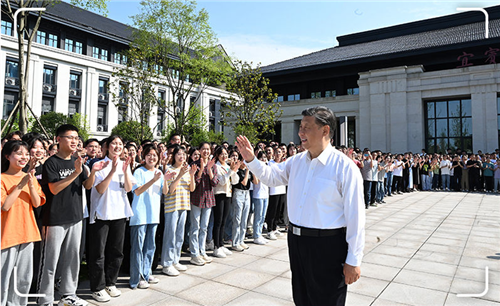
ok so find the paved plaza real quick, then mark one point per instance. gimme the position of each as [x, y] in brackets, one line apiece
[422, 248]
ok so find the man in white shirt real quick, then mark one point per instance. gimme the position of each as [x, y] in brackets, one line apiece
[325, 208]
[445, 166]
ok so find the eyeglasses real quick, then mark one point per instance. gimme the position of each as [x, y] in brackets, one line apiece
[71, 137]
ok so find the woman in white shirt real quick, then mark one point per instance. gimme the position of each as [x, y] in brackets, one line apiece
[109, 211]
[277, 197]
[260, 201]
[227, 175]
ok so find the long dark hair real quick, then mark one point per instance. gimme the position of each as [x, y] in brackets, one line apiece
[110, 140]
[176, 150]
[8, 148]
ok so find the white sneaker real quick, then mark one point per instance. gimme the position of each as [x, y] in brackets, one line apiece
[226, 251]
[101, 296]
[237, 248]
[271, 236]
[210, 245]
[197, 261]
[143, 284]
[170, 271]
[72, 300]
[260, 241]
[153, 280]
[180, 267]
[113, 291]
[243, 245]
[219, 253]
[206, 258]
[278, 233]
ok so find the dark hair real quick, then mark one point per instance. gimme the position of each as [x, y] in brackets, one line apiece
[110, 140]
[218, 152]
[145, 142]
[176, 150]
[89, 141]
[204, 143]
[173, 135]
[148, 148]
[52, 146]
[32, 142]
[18, 133]
[323, 116]
[260, 154]
[9, 147]
[64, 128]
[191, 151]
[29, 136]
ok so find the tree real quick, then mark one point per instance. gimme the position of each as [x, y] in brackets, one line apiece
[130, 131]
[252, 110]
[187, 59]
[25, 36]
[51, 121]
[196, 129]
[136, 94]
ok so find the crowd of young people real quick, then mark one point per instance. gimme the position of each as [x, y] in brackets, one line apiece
[154, 200]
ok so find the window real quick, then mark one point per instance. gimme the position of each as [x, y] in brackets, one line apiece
[47, 105]
[122, 116]
[103, 90]
[40, 37]
[120, 58]
[52, 41]
[315, 95]
[49, 76]
[448, 125]
[74, 80]
[6, 27]
[498, 110]
[73, 108]
[73, 46]
[279, 99]
[294, 97]
[330, 93]
[102, 118]
[353, 91]
[9, 100]
[104, 54]
[11, 69]
[95, 52]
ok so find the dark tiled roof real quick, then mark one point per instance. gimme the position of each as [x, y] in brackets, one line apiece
[88, 21]
[424, 40]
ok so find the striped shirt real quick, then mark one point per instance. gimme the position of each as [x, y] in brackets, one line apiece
[179, 200]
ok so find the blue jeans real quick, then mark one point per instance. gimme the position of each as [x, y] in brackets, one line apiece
[259, 215]
[388, 184]
[380, 191]
[241, 209]
[445, 181]
[367, 189]
[142, 251]
[173, 237]
[199, 218]
[210, 229]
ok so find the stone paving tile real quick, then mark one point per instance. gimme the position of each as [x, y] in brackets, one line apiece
[258, 299]
[244, 278]
[378, 272]
[280, 255]
[424, 280]
[464, 286]
[368, 286]
[210, 271]
[278, 287]
[396, 251]
[356, 299]
[270, 266]
[478, 275]
[411, 295]
[169, 301]
[437, 257]
[173, 285]
[453, 300]
[431, 267]
[385, 260]
[455, 250]
[211, 293]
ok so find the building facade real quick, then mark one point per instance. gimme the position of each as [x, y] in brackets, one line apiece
[431, 84]
[72, 61]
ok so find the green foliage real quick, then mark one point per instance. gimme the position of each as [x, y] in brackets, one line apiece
[252, 111]
[51, 121]
[132, 131]
[98, 6]
[184, 53]
[196, 129]
[15, 125]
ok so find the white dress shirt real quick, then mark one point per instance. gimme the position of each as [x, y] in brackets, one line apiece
[323, 193]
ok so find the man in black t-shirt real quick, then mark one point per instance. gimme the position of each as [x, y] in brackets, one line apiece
[62, 181]
[473, 166]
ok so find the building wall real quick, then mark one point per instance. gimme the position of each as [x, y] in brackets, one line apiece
[389, 109]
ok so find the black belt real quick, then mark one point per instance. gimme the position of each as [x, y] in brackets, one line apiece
[314, 232]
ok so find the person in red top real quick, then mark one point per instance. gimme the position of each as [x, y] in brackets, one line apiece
[202, 201]
[21, 192]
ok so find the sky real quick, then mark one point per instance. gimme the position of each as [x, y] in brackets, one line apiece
[268, 32]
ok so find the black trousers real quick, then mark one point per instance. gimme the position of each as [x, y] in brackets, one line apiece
[488, 182]
[273, 210]
[105, 252]
[397, 184]
[220, 210]
[317, 280]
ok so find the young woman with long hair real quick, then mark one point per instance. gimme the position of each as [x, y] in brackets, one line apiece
[21, 192]
[177, 202]
[109, 211]
[150, 183]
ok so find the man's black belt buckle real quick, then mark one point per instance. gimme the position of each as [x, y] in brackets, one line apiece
[315, 232]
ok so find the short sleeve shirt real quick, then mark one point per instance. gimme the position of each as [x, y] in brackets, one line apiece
[146, 206]
[66, 206]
